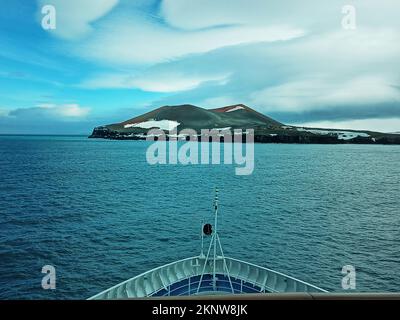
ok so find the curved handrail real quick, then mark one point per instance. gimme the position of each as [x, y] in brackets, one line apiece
[141, 275]
[197, 273]
[278, 273]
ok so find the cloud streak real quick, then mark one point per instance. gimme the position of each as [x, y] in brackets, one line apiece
[157, 82]
[64, 112]
[138, 41]
[318, 93]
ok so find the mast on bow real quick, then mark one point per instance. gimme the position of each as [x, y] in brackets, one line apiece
[215, 243]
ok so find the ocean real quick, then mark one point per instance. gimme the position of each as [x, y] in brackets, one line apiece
[100, 214]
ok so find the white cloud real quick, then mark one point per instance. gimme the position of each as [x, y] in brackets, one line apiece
[319, 93]
[65, 110]
[4, 112]
[154, 81]
[74, 17]
[176, 82]
[143, 41]
[73, 110]
[350, 49]
[379, 125]
[198, 14]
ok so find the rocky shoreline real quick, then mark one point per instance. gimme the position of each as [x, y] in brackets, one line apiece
[303, 138]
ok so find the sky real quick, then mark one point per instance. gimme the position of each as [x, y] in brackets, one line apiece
[302, 62]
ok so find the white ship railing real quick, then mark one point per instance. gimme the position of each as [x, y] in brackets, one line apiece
[183, 278]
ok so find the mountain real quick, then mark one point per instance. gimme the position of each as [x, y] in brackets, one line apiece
[189, 116]
[173, 119]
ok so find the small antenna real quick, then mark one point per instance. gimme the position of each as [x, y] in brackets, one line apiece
[216, 200]
[215, 238]
[202, 238]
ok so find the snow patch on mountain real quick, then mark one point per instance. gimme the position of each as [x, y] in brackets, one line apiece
[235, 109]
[342, 135]
[168, 125]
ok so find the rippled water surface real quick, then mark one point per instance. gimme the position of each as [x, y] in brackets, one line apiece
[100, 214]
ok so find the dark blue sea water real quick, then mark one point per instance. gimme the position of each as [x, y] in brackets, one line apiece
[100, 214]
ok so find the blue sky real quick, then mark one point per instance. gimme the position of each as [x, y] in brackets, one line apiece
[109, 60]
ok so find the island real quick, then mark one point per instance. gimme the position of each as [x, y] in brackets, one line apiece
[173, 119]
